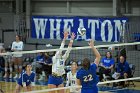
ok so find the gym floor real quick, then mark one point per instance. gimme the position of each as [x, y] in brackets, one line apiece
[8, 86]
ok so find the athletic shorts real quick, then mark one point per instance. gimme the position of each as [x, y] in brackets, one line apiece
[89, 90]
[55, 80]
[20, 83]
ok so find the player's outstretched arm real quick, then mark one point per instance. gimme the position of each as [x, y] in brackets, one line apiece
[66, 55]
[71, 41]
[95, 51]
[62, 43]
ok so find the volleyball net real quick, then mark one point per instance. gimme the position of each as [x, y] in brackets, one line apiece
[130, 50]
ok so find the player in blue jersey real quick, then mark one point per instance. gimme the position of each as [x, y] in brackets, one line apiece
[26, 79]
[86, 76]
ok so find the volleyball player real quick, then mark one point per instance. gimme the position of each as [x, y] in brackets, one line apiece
[71, 77]
[17, 58]
[55, 80]
[86, 76]
[9, 63]
[26, 79]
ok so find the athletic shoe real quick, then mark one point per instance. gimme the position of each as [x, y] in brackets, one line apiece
[5, 76]
[16, 76]
[10, 76]
[41, 77]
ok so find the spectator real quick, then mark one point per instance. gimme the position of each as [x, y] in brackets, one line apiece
[106, 66]
[37, 65]
[48, 59]
[123, 69]
[47, 65]
[17, 46]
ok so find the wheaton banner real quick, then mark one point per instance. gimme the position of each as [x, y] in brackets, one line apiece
[99, 29]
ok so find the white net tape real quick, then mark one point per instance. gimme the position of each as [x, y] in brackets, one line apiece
[100, 83]
[74, 48]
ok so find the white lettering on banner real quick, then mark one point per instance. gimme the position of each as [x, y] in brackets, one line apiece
[118, 24]
[123, 29]
[40, 25]
[68, 24]
[114, 28]
[91, 24]
[57, 28]
[110, 30]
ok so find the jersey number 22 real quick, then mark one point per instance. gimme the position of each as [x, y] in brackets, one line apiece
[88, 78]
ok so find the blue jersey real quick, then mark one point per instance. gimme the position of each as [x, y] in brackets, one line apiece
[88, 78]
[123, 68]
[24, 78]
[48, 61]
[40, 58]
[107, 62]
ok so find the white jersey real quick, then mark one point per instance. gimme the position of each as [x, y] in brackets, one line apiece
[59, 61]
[17, 46]
[58, 66]
[71, 81]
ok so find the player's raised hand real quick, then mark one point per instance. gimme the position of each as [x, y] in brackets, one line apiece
[91, 43]
[66, 34]
[73, 35]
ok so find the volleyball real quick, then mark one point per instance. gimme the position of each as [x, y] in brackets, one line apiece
[111, 48]
[81, 31]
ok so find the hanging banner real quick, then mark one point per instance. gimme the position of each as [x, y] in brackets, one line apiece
[99, 29]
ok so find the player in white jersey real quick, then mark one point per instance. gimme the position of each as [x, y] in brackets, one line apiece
[56, 80]
[71, 78]
[17, 46]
